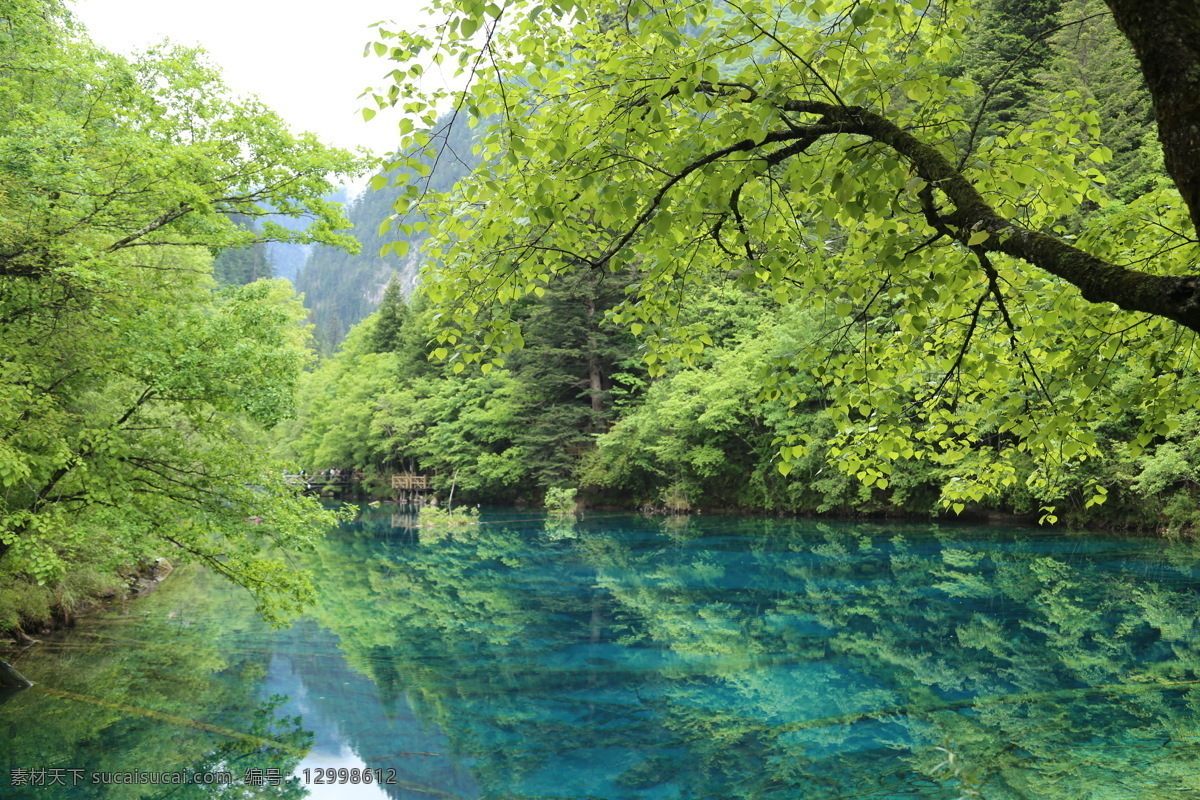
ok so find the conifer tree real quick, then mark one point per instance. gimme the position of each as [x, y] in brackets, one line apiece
[1007, 54]
[1090, 56]
[390, 319]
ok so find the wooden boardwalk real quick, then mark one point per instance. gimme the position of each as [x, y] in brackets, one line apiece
[317, 483]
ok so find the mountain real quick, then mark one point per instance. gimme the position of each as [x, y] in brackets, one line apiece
[341, 289]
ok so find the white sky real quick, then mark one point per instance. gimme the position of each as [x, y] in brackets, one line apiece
[303, 59]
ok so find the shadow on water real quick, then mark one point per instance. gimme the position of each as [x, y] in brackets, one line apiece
[629, 657]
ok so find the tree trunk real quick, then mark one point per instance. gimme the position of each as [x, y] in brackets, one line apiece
[595, 375]
[596, 382]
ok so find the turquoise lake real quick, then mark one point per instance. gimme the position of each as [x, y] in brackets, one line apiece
[636, 657]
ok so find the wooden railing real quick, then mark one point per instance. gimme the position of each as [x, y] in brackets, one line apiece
[410, 482]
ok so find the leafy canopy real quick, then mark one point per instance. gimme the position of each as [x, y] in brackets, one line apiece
[980, 284]
[132, 392]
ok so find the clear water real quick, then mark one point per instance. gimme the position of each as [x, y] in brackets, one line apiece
[627, 657]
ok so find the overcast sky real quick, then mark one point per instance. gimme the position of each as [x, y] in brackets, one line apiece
[303, 59]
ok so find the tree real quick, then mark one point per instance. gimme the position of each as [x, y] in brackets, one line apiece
[1007, 49]
[107, 155]
[1090, 55]
[824, 153]
[390, 319]
[571, 361]
[132, 391]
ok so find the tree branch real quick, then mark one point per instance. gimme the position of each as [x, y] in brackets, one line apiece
[164, 219]
[1175, 298]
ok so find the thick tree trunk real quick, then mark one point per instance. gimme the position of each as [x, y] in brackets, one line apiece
[1166, 38]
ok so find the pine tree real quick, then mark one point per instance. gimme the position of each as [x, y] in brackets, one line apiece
[566, 370]
[1008, 54]
[390, 319]
[1089, 55]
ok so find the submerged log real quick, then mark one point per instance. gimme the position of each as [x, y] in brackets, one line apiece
[22, 638]
[10, 678]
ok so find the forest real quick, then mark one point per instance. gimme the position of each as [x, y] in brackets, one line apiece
[858, 352]
[929, 260]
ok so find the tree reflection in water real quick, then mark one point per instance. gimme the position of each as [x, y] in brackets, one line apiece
[626, 658]
[169, 686]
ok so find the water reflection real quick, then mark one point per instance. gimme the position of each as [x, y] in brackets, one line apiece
[140, 700]
[631, 658]
[713, 659]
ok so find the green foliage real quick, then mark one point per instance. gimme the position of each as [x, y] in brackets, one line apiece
[22, 602]
[1089, 55]
[80, 117]
[828, 154]
[560, 501]
[431, 518]
[1007, 51]
[507, 429]
[572, 363]
[706, 436]
[394, 411]
[749, 341]
[133, 391]
[390, 320]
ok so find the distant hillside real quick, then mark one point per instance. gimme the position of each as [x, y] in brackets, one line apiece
[236, 266]
[341, 289]
[288, 258]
